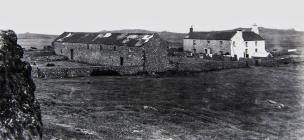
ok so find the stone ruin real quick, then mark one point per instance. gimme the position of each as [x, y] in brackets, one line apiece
[20, 115]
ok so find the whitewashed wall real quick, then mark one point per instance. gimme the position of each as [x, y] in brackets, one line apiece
[238, 47]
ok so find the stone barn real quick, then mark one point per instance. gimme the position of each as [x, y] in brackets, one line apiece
[145, 51]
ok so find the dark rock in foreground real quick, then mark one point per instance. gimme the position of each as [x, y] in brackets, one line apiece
[20, 116]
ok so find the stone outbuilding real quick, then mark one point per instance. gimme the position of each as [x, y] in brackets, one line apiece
[146, 51]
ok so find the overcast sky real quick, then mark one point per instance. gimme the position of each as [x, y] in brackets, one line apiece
[57, 16]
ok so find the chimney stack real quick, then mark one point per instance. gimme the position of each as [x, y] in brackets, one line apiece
[255, 28]
[191, 29]
[239, 33]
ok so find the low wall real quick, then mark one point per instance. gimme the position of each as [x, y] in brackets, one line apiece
[273, 62]
[199, 65]
[62, 72]
[56, 72]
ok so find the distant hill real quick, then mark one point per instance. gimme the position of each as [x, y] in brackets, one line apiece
[38, 41]
[35, 36]
[129, 31]
[281, 39]
[175, 39]
[276, 39]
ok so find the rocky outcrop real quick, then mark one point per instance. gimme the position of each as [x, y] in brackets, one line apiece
[20, 116]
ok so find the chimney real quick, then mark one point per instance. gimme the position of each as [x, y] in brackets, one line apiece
[191, 29]
[239, 33]
[255, 28]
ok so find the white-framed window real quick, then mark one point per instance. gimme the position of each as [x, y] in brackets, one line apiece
[256, 50]
[256, 43]
[246, 44]
[233, 43]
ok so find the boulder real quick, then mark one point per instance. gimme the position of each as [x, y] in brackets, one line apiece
[20, 115]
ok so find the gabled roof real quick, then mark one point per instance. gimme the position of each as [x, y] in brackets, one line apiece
[251, 36]
[214, 35]
[223, 35]
[119, 39]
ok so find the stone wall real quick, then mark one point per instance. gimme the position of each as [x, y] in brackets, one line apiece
[152, 56]
[216, 46]
[156, 55]
[60, 72]
[105, 55]
[200, 65]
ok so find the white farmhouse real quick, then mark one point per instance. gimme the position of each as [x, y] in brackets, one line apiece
[235, 43]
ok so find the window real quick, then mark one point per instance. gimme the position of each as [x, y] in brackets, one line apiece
[246, 44]
[194, 42]
[208, 42]
[233, 43]
[256, 43]
[256, 50]
[221, 43]
[88, 46]
[114, 48]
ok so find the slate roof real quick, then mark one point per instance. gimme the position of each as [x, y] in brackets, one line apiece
[215, 35]
[223, 35]
[119, 39]
[251, 36]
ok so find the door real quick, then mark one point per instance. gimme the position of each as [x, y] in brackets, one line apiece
[121, 61]
[206, 51]
[246, 53]
[72, 54]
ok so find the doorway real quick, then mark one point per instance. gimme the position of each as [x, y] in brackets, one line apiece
[246, 53]
[206, 51]
[72, 54]
[121, 61]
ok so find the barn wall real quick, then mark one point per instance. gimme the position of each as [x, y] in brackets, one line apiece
[153, 55]
[156, 55]
[97, 54]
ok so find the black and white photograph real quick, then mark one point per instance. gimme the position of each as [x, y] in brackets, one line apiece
[151, 70]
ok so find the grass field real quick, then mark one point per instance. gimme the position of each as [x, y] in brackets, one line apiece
[256, 103]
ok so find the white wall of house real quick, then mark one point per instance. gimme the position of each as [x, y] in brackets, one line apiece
[257, 49]
[254, 48]
[188, 45]
[237, 45]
